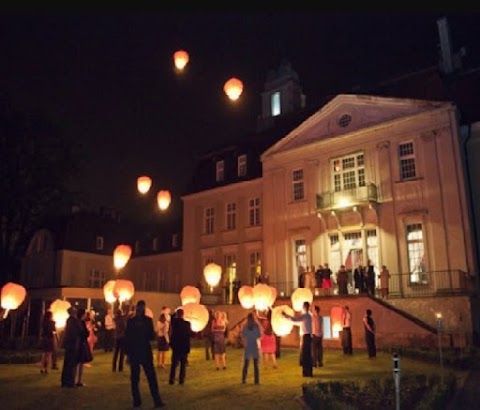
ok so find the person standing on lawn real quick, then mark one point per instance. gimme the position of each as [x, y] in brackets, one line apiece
[71, 343]
[369, 325]
[180, 344]
[251, 334]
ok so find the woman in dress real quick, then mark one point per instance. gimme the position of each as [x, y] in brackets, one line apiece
[268, 343]
[92, 329]
[219, 328]
[49, 333]
[163, 339]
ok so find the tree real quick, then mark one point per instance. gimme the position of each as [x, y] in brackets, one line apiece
[36, 170]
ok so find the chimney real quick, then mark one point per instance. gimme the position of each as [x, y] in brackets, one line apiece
[446, 58]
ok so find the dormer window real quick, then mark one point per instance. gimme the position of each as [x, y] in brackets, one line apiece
[344, 120]
[275, 104]
[220, 171]
[242, 165]
[99, 243]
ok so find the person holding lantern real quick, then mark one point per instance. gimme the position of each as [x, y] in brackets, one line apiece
[49, 334]
[180, 344]
[120, 322]
[250, 335]
[305, 320]
[71, 341]
[219, 328]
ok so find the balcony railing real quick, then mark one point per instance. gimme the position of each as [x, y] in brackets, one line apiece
[350, 197]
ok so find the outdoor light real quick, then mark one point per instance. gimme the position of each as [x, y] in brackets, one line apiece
[233, 88]
[245, 296]
[190, 294]
[124, 289]
[180, 58]
[281, 325]
[121, 256]
[108, 291]
[299, 296]
[212, 273]
[12, 296]
[143, 184]
[59, 309]
[163, 199]
[197, 315]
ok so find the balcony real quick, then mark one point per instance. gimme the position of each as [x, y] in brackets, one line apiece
[332, 200]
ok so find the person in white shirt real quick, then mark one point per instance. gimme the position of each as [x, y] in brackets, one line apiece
[305, 320]
[317, 337]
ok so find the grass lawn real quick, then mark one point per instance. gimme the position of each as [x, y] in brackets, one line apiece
[23, 387]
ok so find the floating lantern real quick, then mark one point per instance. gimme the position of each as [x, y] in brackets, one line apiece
[299, 296]
[12, 296]
[190, 294]
[282, 326]
[124, 290]
[197, 315]
[262, 296]
[180, 59]
[212, 273]
[143, 184]
[59, 309]
[108, 291]
[233, 88]
[336, 315]
[246, 297]
[121, 256]
[163, 199]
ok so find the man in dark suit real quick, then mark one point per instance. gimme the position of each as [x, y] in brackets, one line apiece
[71, 343]
[180, 344]
[138, 337]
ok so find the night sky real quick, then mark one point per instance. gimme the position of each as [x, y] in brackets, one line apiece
[108, 81]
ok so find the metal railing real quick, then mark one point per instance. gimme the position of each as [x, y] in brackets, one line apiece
[336, 199]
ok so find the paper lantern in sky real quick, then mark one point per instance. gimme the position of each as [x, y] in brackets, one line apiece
[59, 309]
[108, 291]
[143, 184]
[262, 296]
[121, 256]
[180, 58]
[336, 314]
[12, 296]
[299, 296]
[124, 289]
[233, 88]
[212, 273]
[245, 296]
[197, 315]
[163, 200]
[282, 326]
[190, 294]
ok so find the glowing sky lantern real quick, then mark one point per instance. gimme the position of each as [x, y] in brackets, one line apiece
[262, 296]
[143, 184]
[273, 296]
[212, 273]
[245, 296]
[299, 296]
[124, 290]
[59, 309]
[190, 294]
[180, 58]
[121, 256]
[233, 88]
[197, 315]
[108, 291]
[12, 296]
[336, 319]
[163, 200]
[282, 326]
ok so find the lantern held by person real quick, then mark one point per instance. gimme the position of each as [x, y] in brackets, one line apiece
[12, 296]
[281, 325]
[108, 291]
[163, 200]
[245, 296]
[336, 314]
[143, 184]
[197, 315]
[299, 296]
[212, 273]
[59, 309]
[233, 88]
[121, 256]
[180, 59]
[262, 296]
[123, 289]
[190, 294]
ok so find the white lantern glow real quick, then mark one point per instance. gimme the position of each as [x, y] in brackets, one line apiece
[143, 184]
[12, 296]
[246, 297]
[121, 256]
[212, 273]
[197, 315]
[180, 59]
[262, 296]
[233, 88]
[299, 296]
[123, 289]
[282, 326]
[59, 309]
[108, 291]
[273, 296]
[163, 200]
[190, 294]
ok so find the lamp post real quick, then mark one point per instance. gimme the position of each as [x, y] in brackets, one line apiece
[396, 378]
[439, 333]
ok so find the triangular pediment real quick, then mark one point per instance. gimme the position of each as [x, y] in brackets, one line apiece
[347, 113]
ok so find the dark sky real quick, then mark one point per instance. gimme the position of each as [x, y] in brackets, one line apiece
[108, 80]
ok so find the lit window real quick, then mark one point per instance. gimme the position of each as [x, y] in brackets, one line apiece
[242, 165]
[276, 106]
[255, 266]
[406, 156]
[297, 178]
[415, 250]
[220, 171]
[231, 216]
[348, 172]
[99, 243]
[254, 212]
[209, 220]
